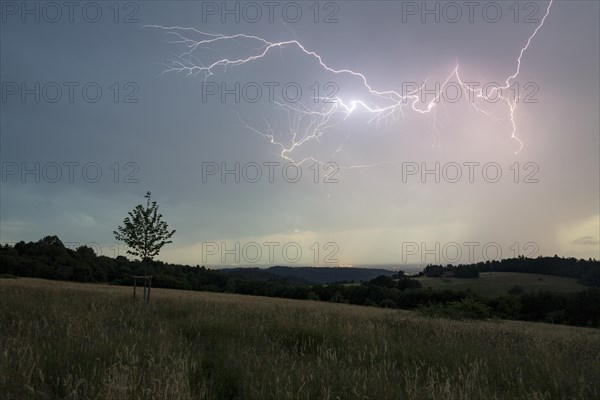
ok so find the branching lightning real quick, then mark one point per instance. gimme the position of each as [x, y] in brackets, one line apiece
[308, 124]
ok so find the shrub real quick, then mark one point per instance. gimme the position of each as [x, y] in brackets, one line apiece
[467, 308]
[408, 283]
[388, 303]
[471, 308]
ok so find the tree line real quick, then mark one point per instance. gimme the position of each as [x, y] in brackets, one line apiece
[587, 272]
[48, 258]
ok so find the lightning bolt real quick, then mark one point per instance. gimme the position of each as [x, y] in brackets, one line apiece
[308, 124]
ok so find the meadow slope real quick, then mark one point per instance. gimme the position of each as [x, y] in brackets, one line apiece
[74, 341]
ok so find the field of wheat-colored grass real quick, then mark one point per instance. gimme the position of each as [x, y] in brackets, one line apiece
[83, 341]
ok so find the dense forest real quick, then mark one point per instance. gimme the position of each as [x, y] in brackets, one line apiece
[48, 258]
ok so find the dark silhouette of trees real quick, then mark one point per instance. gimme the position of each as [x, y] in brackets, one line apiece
[48, 258]
[407, 283]
[383, 281]
[586, 271]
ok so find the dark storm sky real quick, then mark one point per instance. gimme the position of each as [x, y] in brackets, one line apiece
[164, 139]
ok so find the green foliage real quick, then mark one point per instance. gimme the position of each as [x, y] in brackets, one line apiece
[144, 231]
[460, 271]
[383, 281]
[467, 271]
[467, 308]
[337, 297]
[434, 271]
[388, 303]
[312, 296]
[471, 308]
[508, 307]
[370, 303]
[408, 283]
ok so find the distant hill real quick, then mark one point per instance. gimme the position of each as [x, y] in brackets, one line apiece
[255, 274]
[310, 275]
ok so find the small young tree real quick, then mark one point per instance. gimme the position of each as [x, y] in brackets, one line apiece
[144, 231]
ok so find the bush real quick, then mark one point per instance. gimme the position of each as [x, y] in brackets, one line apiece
[471, 308]
[467, 308]
[408, 283]
[388, 303]
[508, 307]
[312, 296]
[369, 303]
[383, 281]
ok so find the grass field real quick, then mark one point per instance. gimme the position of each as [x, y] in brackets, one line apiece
[497, 283]
[81, 341]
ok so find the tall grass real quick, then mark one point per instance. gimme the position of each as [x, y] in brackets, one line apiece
[78, 341]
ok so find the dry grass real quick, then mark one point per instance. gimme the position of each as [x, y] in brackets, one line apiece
[75, 341]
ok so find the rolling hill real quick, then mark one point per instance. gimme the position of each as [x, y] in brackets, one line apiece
[310, 275]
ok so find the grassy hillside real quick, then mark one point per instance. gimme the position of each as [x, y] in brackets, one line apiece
[69, 340]
[497, 283]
